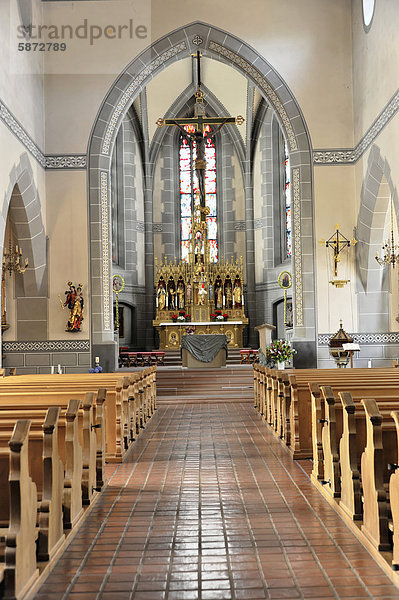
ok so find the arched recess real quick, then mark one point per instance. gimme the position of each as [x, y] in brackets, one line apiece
[373, 289]
[22, 208]
[220, 45]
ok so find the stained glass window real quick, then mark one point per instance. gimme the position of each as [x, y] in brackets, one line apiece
[288, 220]
[189, 189]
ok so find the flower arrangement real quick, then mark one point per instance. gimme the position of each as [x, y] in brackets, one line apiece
[225, 316]
[213, 317]
[219, 318]
[187, 317]
[279, 351]
[174, 318]
[189, 329]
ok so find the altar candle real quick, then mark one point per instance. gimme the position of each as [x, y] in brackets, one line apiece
[224, 300]
[167, 301]
[156, 302]
[243, 299]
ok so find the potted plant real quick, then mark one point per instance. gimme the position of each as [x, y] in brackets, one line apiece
[174, 318]
[187, 317]
[279, 351]
[225, 316]
[213, 317]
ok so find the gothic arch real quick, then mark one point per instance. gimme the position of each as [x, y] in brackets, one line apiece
[218, 45]
[22, 206]
[373, 292]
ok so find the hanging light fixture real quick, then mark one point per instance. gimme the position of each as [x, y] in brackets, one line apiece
[390, 249]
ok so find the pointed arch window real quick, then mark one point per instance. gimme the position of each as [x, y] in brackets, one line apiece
[189, 190]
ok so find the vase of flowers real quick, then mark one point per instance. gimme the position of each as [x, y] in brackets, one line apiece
[174, 318]
[278, 352]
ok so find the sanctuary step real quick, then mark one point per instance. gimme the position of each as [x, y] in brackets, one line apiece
[173, 358]
[227, 384]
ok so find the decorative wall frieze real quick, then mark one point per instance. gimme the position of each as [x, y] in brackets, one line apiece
[105, 244]
[66, 161]
[140, 226]
[50, 161]
[363, 338]
[263, 84]
[16, 128]
[352, 155]
[297, 250]
[133, 87]
[48, 346]
[157, 227]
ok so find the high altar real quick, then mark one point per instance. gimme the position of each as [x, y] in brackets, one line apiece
[199, 296]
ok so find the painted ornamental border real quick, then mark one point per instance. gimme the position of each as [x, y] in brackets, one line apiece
[363, 338]
[48, 346]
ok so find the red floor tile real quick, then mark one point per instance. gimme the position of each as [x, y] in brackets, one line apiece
[209, 506]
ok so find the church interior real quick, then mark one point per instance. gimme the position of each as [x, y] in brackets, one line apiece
[199, 382]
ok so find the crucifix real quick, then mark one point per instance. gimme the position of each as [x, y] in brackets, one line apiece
[200, 123]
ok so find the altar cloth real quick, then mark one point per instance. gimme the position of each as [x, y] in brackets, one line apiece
[204, 347]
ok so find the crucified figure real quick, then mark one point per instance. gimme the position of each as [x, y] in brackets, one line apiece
[198, 137]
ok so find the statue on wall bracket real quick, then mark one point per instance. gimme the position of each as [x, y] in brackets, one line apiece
[74, 302]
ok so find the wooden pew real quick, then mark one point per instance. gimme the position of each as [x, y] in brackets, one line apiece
[357, 473]
[18, 509]
[394, 498]
[119, 405]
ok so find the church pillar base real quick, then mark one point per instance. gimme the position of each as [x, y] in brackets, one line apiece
[108, 355]
[306, 357]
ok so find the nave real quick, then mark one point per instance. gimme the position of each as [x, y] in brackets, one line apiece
[208, 505]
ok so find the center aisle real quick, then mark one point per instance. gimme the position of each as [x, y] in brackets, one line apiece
[209, 506]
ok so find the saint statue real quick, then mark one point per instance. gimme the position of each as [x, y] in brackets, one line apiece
[201, 295]
[171, 294]
[219, 297]
[180, 294]
[229, 297]
[237, 294]
[161, 297]
[75, 302]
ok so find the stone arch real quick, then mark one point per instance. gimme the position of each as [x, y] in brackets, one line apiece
[219, 45]
[373, 290]
[23, 208]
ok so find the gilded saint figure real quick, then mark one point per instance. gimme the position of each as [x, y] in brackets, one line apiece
[161, 296]
[237, 294]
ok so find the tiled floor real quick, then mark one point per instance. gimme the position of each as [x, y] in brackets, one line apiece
[209, 506]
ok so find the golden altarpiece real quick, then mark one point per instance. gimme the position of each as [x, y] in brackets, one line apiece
[199, 296]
